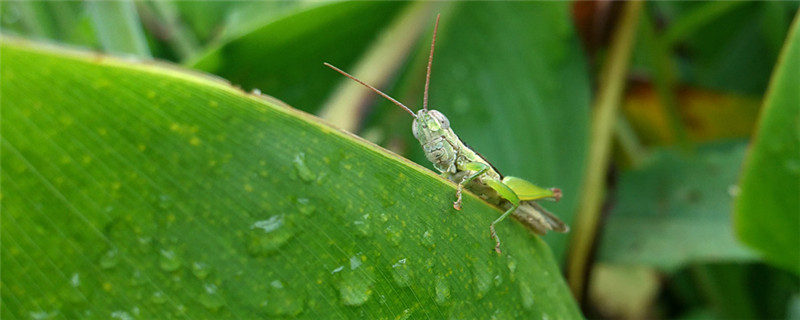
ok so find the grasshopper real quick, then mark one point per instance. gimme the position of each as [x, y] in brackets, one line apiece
[468, 169]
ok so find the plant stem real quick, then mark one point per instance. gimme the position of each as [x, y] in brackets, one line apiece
[612, 84]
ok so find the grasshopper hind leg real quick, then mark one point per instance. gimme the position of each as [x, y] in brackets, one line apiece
[493, 233]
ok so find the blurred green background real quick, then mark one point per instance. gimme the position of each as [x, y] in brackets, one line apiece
[672, 127]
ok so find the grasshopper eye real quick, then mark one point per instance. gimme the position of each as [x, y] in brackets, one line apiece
[414, 129]
[443, 121]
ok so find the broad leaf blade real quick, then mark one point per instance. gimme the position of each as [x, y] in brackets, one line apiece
[336, 32]
[137, 190]
[768, 210]
[675, 209]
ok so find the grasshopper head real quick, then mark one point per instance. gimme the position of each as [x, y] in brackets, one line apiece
[429, 123]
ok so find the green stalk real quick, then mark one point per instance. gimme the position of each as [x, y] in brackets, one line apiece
[612, 84]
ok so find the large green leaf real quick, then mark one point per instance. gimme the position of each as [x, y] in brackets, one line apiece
[285, 55]
[139, 190]
[768, 210]
[675, 209]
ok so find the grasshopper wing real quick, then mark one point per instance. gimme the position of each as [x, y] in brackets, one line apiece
[538, 219]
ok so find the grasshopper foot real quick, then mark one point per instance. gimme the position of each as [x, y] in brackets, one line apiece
[494, 236]
[457, 204]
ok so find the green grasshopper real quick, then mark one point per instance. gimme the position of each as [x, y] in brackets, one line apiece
[468, 169]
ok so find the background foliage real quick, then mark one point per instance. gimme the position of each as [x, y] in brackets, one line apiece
[135, 189]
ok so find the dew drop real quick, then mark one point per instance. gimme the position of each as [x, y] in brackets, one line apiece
[75, 280]
[109, 259]
[405, 315]
[526, 294]
[169, 260]
[498, 280]
[303, 171]
[512, 265]
[282, 302]
[481, 278]
[305, 206]
[164, 201]
[442, 289]
[427, 240]
[211, 298]
[267, 236]
[42, 315]
[121, 315]
[401, 273]
[393, 234]
[362, 226]
[158, 297]
[201, 270]
[355, 284]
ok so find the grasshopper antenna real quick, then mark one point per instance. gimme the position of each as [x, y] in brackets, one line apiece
[430, 60]
[372, 88]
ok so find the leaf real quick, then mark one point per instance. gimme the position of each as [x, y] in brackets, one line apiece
[337, 32]
[675, 210]
[140, 190]
[768, 209]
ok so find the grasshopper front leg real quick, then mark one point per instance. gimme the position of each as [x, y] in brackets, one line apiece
[479, 169]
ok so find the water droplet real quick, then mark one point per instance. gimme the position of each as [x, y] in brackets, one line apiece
[158, 297]
[442, 288]
[340, 268]
[512, 266]
[362, 226]
[164, 201]
[281, 301]
[211, 298]
[169, 260]
[137, 279]
[43, 315]
[121, 315]
[526, 293]
[267, 236]
[75, 280]
[481, 278]
[405, 315]
[355, 262]
[394, 234]
[401, 273]
[201, 270]
[427, 240]
[303, 171]
[109, 259]
[355, 284]
[305, 206]
[498, 280]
